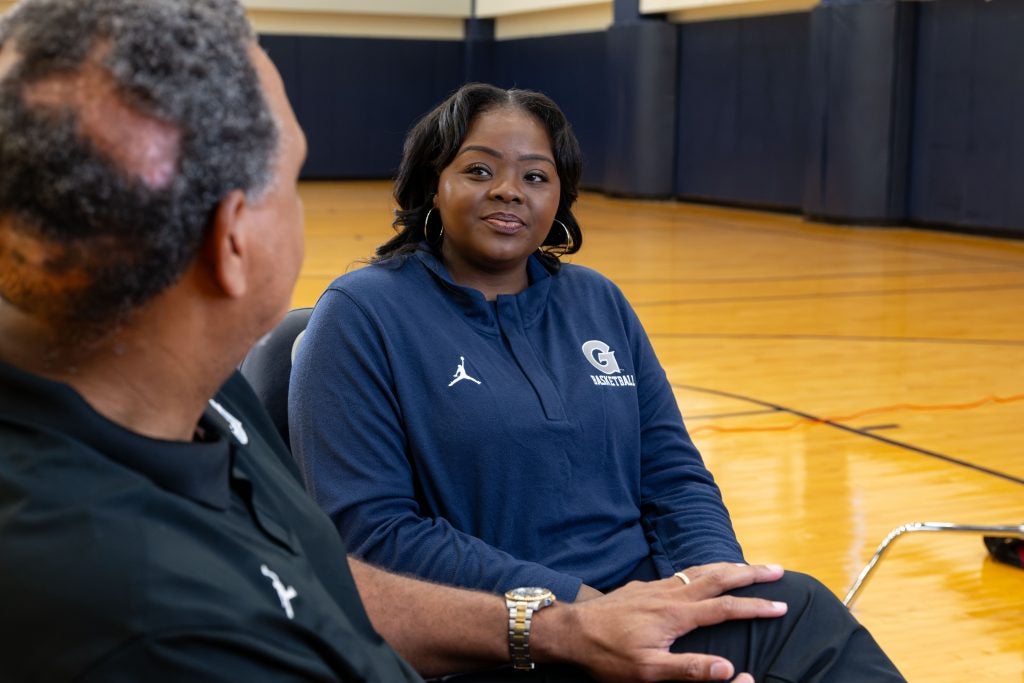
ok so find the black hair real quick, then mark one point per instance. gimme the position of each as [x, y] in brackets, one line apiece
[183, 63]
[435, 140]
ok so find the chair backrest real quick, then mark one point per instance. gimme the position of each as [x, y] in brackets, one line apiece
[268, 365]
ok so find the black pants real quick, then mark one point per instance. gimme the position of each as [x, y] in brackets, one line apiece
[817, 641]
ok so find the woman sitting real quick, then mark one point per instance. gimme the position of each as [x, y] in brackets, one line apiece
[472, 411]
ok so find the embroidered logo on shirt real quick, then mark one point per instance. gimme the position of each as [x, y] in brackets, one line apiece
[601, 356]
[461, 374]
[234, 424]
[284, 593]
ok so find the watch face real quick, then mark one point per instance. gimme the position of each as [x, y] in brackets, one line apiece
[528, 593]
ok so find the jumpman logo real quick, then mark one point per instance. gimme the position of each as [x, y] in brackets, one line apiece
[284, 593]
[461, 373]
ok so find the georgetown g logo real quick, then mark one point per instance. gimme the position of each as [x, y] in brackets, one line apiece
[601, 356]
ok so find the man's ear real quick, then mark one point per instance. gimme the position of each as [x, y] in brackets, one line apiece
[228, 245]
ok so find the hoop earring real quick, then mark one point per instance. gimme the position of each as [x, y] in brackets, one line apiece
[568, 236]
[426, 222]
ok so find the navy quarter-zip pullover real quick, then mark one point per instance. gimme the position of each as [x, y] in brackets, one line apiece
[531, 440]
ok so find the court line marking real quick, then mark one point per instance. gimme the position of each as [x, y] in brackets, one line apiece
[826, 295]
[848, 232]
[853, 430]
[813, 277]
[838, 337]
[742, 413]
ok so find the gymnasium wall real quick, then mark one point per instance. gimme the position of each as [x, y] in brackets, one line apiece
[357, 97]
[871, 111]
[967, 166]
[580, 89]
[742, 132]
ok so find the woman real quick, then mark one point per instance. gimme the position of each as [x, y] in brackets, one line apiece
[470, 410]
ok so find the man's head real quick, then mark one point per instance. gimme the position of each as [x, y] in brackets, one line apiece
[123, 126]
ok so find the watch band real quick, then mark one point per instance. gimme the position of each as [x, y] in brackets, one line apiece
[522, 603]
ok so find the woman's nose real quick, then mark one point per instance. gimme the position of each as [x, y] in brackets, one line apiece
[507, 188]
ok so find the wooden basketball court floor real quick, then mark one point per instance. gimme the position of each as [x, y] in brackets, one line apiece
[839, 381]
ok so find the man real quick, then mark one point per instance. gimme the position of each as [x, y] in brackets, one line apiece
[151, 527]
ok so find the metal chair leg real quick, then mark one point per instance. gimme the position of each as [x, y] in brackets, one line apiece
[987, 530]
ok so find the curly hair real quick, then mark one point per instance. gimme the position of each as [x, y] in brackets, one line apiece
[435, 140]
[119, 236]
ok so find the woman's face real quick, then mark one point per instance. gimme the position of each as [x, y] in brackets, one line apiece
[498, 197]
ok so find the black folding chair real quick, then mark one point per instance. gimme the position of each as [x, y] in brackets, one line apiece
[268, 366]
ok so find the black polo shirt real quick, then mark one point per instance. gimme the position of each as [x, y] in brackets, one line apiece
[125, 558]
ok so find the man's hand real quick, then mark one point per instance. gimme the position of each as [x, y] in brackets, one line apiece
[587, 593]
[626, 635]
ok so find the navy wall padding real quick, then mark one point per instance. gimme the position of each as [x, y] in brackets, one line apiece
[626, 11]
[859, 111]
[742, 110]
[968, 142]
[860, 106]
[642, 70]
[479, 49]
[357, 97]
[570, 69]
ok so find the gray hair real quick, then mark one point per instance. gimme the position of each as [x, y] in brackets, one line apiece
[182, 63]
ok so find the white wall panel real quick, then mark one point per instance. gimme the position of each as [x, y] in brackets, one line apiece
[486, 9]
[357, 25]
[704, 10]
[587, 18]
[422, 8]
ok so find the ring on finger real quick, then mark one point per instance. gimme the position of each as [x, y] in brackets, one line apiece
[683, 577]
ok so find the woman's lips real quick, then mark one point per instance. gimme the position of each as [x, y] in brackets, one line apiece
[505, 222]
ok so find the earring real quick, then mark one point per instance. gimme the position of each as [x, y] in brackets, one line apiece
[426, 222]
[568, 235]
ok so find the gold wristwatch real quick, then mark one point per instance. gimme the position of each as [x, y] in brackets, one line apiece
[522, 603]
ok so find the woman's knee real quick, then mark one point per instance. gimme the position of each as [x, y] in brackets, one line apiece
[798, 590]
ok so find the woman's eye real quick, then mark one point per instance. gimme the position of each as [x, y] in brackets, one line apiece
[536, 177]
[480, 171]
